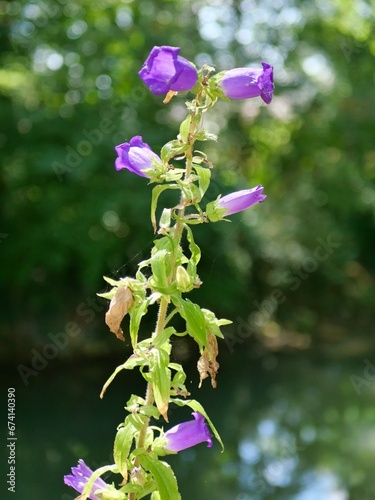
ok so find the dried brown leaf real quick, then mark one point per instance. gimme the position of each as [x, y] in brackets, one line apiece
[207, 364]
[118, 308]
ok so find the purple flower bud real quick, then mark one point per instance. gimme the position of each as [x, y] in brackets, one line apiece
[233, 203]
[243, 83]
[241, 200]
[136, 156]
[79, 477]
[165, 70]
[188, 434]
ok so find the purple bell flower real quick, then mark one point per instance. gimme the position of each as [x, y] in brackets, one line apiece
[244, 83]
[165, 70]
[188, 434]
[241, 200]
[234, 202]
[79, 477]
[136, 156]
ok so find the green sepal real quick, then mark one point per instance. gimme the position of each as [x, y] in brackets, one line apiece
[195, 320]
[214, 212]
[94, 476]
[161, 379]
[196, 406]
[172, 149]
[121, 448]
[162, 474]
[156, 192]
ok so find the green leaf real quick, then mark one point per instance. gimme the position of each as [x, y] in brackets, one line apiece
[122, 446]
[161, 379]
[195, 320]
[136, 313]
[111, 281]
[94, 476]
[204, 176]
[194, 405]
[163, 475]
[203, 135]
[184, 129]
[160, 271]
[213, 324]
[193, 247]
[162, 337]
[156, 192]
[172, 149]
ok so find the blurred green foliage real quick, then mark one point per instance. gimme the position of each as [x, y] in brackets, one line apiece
[69, 92]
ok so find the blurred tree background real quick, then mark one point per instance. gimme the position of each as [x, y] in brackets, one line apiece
[70, 92]
[295, 273]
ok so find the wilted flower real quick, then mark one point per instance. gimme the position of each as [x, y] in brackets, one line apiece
[136, 156]
[243, 83]
[234, 202]
[164, 70]
[188, 434]
[79, 477]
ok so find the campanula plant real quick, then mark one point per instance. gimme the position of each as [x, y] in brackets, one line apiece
[143, 439]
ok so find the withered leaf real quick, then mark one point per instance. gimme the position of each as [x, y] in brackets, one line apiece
[207, 364]
[118, 308]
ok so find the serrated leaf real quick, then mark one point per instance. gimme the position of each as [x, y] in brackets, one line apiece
[136, 314]
[204, 176]
[162, 337]
[87, 490]
[122, 446]
[163, 475]
[193, 247]
[195, 321]
[161, 379]
[156, 192]
[172, 149]
[203, 135]
[160, 272]
[112, 281]
[184, 129]
[196, 406]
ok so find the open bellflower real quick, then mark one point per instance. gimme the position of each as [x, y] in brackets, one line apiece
[188, 434]
[234, 202]
[79, 477]
[244, 83]
[136, 156]
[164, 70]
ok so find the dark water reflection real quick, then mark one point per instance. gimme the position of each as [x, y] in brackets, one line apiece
[294, 428]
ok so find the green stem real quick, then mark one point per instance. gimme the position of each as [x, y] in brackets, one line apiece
[163, 306]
